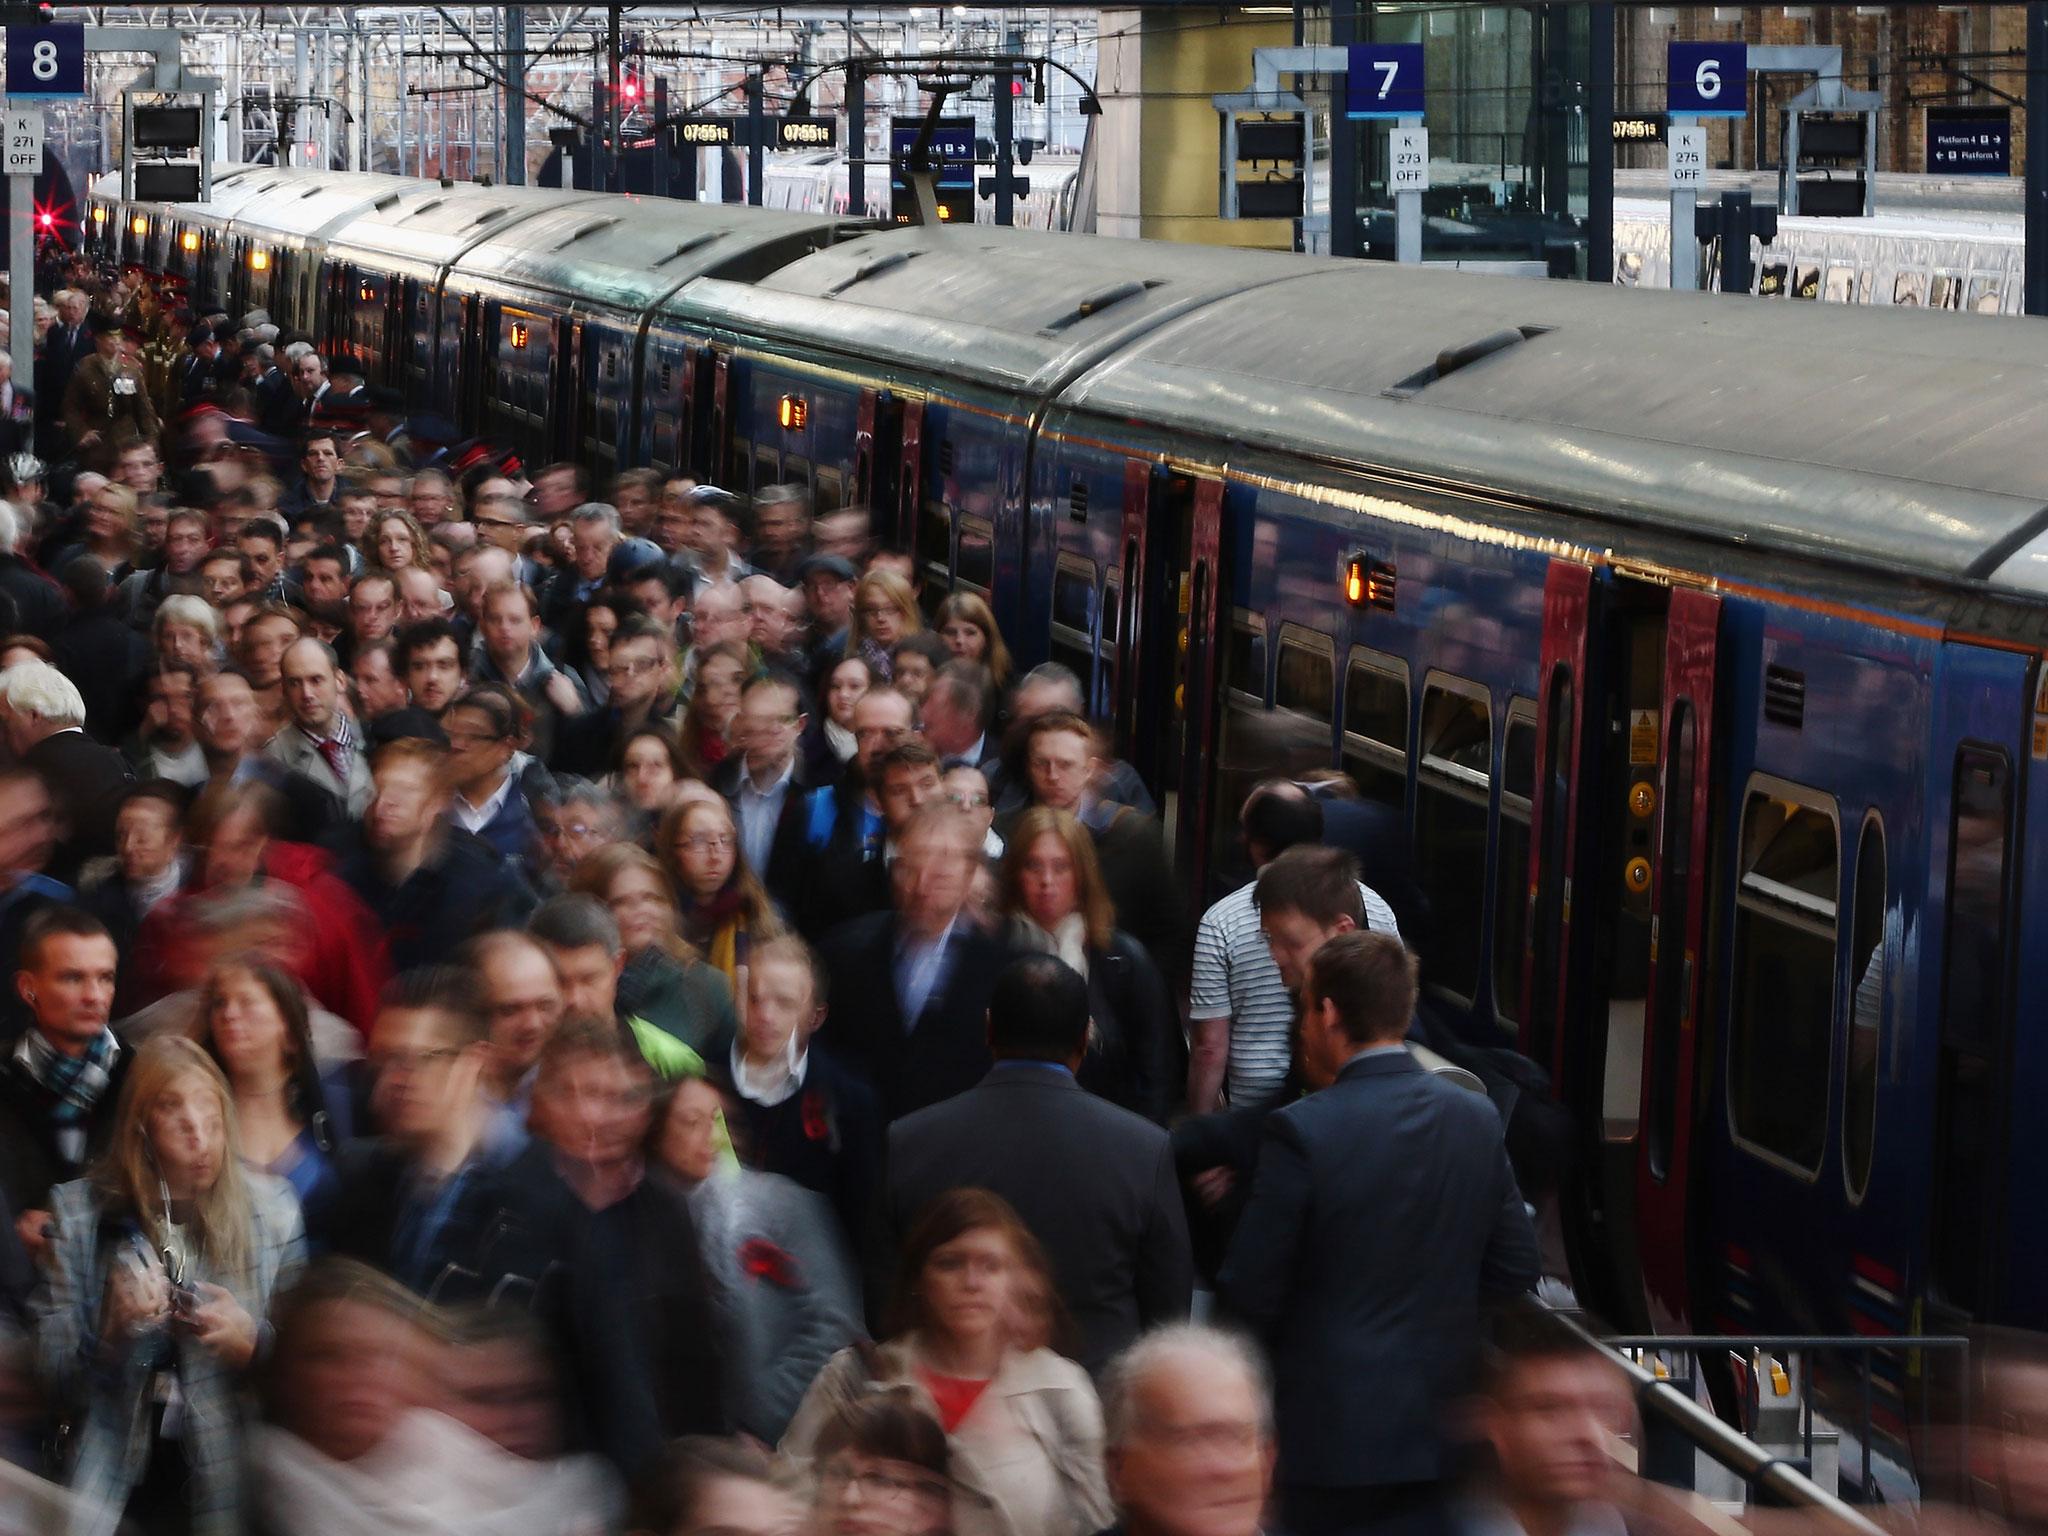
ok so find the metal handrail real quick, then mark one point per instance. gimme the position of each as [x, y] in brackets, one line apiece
[1769, 1475]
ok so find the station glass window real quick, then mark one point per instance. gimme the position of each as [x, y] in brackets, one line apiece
[1453, 783]
[1972, 1083]
[1867, 978]
[975, 561]
[1785, 913]
[1376, 727]
[1511, 878]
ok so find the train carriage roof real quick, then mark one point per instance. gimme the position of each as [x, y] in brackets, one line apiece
[423, 226]
[629, 252]
[1917, 440]
[1010, 309]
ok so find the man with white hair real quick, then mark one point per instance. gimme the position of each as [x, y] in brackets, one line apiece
[1188, 1425]
[38, 606]
[44, 716]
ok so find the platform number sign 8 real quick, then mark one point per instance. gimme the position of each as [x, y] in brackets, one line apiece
[1708, 79]
[46, 61]
[1384, 80]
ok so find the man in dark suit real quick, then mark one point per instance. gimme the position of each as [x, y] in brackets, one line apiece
[1383, 1211]
[1094, 1183]
[768, 783]
[67, 344]
[911, 985]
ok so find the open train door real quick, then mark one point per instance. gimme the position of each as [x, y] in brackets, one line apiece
[1683, 842]
[1169, 654]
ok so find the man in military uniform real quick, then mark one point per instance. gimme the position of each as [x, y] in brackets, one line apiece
[107, 403]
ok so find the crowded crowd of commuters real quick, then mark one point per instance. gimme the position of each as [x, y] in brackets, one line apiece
[538, 1006]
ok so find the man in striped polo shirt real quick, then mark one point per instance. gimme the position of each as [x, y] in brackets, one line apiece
[1241, 1012]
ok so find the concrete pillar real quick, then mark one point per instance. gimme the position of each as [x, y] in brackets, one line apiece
[1155, 143]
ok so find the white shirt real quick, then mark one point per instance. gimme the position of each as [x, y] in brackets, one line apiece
[1235, 978]
[474, 818]
[759, 810]
[769, 1091]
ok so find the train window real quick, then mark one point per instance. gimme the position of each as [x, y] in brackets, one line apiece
[666, 439]
[767, 466]
[829, 494]
[1511, 876]
[1306, 677]
[795, 471]
[1453, 783]
[1867, 978]
[935, 543]
[1105, 639]
[1968, 1121]
[1376, 727]
[1243, 754]
[1073, 617]
[1784, 973]
[975, 563]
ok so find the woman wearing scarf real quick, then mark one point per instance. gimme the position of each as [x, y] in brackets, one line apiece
[161, 1264]
[723, 906]
[1058, 905]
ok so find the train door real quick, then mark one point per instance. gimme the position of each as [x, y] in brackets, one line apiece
[1976, 771]
[1624, 717]
[877, 448]
[1164, 702]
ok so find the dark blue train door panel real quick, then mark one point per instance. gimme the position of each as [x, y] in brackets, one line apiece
[1554, 809]
[1976, 777]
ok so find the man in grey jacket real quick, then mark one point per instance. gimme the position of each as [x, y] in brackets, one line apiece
[321, 741]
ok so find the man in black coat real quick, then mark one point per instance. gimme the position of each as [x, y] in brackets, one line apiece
[1383, 1211]
[99, 652]
[45, 719]
[463, 1213]
[1094, 1183]
[60, 1083]
[831, 853]
[911, 985]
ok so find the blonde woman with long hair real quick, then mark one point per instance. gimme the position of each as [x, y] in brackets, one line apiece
[162, 1266]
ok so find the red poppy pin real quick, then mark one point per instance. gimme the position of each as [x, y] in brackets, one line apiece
[764, 1260]
[817, 1119]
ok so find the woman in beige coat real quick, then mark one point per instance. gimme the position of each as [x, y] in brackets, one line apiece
[1023, 1425]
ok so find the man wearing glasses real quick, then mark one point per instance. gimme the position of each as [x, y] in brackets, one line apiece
[641, 670]
[760, 778]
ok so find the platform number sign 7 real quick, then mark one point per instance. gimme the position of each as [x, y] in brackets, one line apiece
[1384, 80]
[1708, 79]
[43, 62]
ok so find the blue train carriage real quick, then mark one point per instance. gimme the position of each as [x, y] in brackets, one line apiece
[1654, 654]
[184, 239]
[566, 303]
[907, 371]
[386, 276]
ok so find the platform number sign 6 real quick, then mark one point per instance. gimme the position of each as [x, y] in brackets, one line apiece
[1708, 79]
[1384, 80]
[43, 62]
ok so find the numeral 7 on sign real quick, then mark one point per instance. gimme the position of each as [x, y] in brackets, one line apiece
[1388, 69]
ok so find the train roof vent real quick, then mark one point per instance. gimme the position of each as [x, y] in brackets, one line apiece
[868, 269]
[429, 205]
[486, 216]
[1096, 303]
[584, 231]
[694, 243]
[1785, 696]
[1453, 359]
[386, 203]
[1077, 500]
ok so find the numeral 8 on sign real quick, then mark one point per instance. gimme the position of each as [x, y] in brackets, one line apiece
[42, 61]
